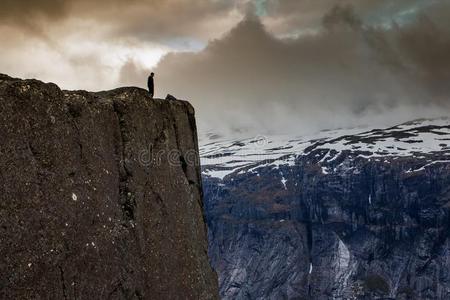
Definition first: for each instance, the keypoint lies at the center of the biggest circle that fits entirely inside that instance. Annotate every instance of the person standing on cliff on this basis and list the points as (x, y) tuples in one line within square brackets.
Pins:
[(151, 84)]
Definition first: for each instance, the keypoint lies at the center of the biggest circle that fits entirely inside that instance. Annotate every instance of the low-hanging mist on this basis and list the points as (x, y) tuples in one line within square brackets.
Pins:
[(345, 74)]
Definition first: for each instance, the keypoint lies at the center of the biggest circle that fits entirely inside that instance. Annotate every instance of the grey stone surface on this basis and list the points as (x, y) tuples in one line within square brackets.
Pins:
[(100, 196)]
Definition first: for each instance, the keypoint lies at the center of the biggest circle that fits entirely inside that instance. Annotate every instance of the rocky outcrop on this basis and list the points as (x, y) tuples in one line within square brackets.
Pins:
[(101, 196)]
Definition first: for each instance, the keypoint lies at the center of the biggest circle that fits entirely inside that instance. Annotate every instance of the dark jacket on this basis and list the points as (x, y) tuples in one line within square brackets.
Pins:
[(151, 85)]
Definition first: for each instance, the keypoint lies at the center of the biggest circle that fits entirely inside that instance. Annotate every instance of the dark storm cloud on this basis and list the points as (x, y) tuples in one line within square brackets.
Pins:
[(163, 20), (154, 20), (19, 11), (348, 71), (426, 49), (290, 16)]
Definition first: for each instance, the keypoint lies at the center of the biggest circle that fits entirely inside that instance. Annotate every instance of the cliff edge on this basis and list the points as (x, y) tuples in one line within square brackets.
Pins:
[(100, 197)]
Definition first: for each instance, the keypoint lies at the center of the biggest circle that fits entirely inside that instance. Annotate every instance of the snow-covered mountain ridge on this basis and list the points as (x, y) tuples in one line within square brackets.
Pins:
[(345, 214), (426, 139)]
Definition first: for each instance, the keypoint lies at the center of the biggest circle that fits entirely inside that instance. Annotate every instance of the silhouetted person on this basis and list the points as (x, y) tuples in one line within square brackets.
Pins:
[(151, 84)]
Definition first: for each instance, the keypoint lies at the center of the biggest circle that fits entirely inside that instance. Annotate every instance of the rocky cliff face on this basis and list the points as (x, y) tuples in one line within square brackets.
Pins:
[(342, 216), (101, 196)]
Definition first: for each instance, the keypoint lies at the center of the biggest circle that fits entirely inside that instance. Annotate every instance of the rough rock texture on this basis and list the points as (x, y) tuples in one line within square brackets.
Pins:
[(368, 228), (100, 196)]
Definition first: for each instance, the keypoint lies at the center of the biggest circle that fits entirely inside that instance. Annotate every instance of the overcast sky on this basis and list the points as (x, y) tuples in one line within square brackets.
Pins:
[(266, 65)]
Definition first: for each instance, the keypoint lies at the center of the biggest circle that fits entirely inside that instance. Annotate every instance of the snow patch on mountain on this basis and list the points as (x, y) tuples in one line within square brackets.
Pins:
[(222, 156)]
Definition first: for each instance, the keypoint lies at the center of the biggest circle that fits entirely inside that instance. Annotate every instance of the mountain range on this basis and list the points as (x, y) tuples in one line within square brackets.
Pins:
[(359, 213)]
